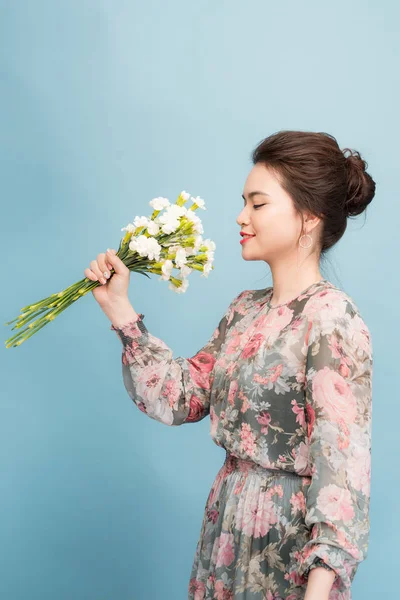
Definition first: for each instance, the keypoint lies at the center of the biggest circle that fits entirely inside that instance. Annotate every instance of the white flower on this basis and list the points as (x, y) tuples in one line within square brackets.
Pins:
[(182, 289), (200, 202), (210, 244), (189, 250), (207, 270), (175, 211), (170, 218), (145, 246), (198, 241), (159, 203), (210, 256), (185, 271), (180, 258), (185, 195), (171, 226), (191, 216), (153, 228), (153, 248), (130, 227), (167, 270), (137, 243), (141, 221)]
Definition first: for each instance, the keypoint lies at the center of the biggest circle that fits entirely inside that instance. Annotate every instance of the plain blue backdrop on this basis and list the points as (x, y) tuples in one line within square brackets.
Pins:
[(105, 104)]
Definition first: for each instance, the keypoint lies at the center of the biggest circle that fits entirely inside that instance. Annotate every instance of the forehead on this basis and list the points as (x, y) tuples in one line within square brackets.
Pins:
[(260, 178)]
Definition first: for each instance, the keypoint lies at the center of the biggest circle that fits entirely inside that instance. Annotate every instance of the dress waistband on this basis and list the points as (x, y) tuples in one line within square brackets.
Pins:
[(234, 463)]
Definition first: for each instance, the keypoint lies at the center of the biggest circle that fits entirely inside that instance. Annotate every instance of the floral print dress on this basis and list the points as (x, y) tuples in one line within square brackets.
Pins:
[(288, 392)]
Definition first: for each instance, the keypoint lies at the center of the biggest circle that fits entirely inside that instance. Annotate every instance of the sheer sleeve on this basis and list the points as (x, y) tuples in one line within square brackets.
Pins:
[(172, 391), (338, 402)]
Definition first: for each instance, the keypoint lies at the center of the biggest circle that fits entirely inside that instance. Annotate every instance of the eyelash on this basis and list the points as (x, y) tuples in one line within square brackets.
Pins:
[(258, 205)]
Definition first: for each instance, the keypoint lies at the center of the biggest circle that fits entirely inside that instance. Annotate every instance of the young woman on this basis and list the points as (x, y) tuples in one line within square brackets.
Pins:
[(286, 379)]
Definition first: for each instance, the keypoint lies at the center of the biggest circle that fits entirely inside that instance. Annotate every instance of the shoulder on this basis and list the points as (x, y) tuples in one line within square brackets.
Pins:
[(247, 298), (241, 304), (332, 311)]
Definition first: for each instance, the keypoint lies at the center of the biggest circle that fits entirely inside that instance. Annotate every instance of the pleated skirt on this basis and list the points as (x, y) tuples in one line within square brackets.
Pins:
[(253, 525)]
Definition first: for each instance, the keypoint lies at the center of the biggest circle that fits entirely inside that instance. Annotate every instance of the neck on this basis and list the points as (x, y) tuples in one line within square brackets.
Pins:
[(289, 282)]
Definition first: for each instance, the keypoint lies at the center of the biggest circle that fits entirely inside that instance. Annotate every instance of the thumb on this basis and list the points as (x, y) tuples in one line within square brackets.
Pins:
[(116, 262)]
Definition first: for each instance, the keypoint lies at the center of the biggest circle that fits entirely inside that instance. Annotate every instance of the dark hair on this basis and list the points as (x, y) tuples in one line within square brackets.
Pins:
[(319, 177)]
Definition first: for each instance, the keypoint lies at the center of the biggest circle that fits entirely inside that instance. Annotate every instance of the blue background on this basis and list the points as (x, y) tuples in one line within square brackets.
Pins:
[(103, 106)]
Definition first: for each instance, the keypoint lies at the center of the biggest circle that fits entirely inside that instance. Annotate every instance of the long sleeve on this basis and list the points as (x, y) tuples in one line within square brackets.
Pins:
[(172, 391), (338, 409)]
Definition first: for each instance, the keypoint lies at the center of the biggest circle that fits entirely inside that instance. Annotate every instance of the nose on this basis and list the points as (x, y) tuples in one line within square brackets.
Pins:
[(242, 217)]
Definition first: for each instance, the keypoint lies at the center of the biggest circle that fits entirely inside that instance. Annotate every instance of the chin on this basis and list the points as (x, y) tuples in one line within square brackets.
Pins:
[(249, 256)]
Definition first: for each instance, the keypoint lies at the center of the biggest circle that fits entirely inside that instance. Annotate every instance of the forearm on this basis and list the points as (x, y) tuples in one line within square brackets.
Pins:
[(121, 314), (319, 584)]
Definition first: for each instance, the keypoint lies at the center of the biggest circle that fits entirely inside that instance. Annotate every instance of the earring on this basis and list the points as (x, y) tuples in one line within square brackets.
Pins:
[(305, 235)]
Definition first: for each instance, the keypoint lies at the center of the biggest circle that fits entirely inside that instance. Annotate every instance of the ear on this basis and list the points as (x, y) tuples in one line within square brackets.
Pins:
[(311, 221)]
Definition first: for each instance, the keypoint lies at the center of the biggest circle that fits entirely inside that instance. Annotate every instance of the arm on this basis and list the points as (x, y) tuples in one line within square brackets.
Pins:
[(338, 399), (172, 391)]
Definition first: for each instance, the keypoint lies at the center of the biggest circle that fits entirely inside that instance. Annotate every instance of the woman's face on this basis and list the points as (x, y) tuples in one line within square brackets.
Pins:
[(269, 214)]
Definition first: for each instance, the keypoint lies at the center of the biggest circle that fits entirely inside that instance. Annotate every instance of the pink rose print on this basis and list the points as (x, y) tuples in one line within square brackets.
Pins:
[(226, 553), (196, 409), (244, 399), (252, 346), (256, 514), (172, 391), (248, 440), (310, 412), (131, 329), (149, 381), (335, 503), (326, 304), (333, 394), (200, 367), (233, 344), (300, 419), (264, 419), (221, 592), (233, 388), (298, 503), (197, 589), (128, 355)]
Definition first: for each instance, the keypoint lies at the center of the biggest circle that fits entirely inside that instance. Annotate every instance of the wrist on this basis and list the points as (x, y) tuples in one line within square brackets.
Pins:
[(319, 583), (121, 314)]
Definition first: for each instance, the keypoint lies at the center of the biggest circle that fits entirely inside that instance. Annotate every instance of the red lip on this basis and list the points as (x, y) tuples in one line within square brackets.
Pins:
[(246, 239), (242, 233)]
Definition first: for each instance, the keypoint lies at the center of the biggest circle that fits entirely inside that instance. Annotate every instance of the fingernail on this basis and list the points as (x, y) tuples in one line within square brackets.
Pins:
[(102, 280)]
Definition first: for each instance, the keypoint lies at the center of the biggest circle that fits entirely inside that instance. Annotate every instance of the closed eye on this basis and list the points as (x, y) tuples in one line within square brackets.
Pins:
[(258, 205)]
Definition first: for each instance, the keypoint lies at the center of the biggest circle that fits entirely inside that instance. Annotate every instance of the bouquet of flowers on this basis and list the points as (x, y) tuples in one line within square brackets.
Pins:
[(155, 244)]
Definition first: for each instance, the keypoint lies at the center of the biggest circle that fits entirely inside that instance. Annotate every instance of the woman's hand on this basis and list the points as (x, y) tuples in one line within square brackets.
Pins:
[(114, 278)]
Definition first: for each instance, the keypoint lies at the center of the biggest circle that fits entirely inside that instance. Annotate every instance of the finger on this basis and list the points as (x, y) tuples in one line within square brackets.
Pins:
[(117, 263), (96, 270), (90, 275), (108, 252), (105, 270)]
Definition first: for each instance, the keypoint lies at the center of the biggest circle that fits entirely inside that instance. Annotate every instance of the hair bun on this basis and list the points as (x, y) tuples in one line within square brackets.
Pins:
[(360, 185)]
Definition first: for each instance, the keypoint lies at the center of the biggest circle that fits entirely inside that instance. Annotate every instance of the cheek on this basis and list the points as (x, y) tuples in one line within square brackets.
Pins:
[(277, 226)]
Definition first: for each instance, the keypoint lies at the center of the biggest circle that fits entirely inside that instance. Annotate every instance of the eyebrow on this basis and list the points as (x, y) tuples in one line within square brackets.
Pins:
[(252, 194)]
